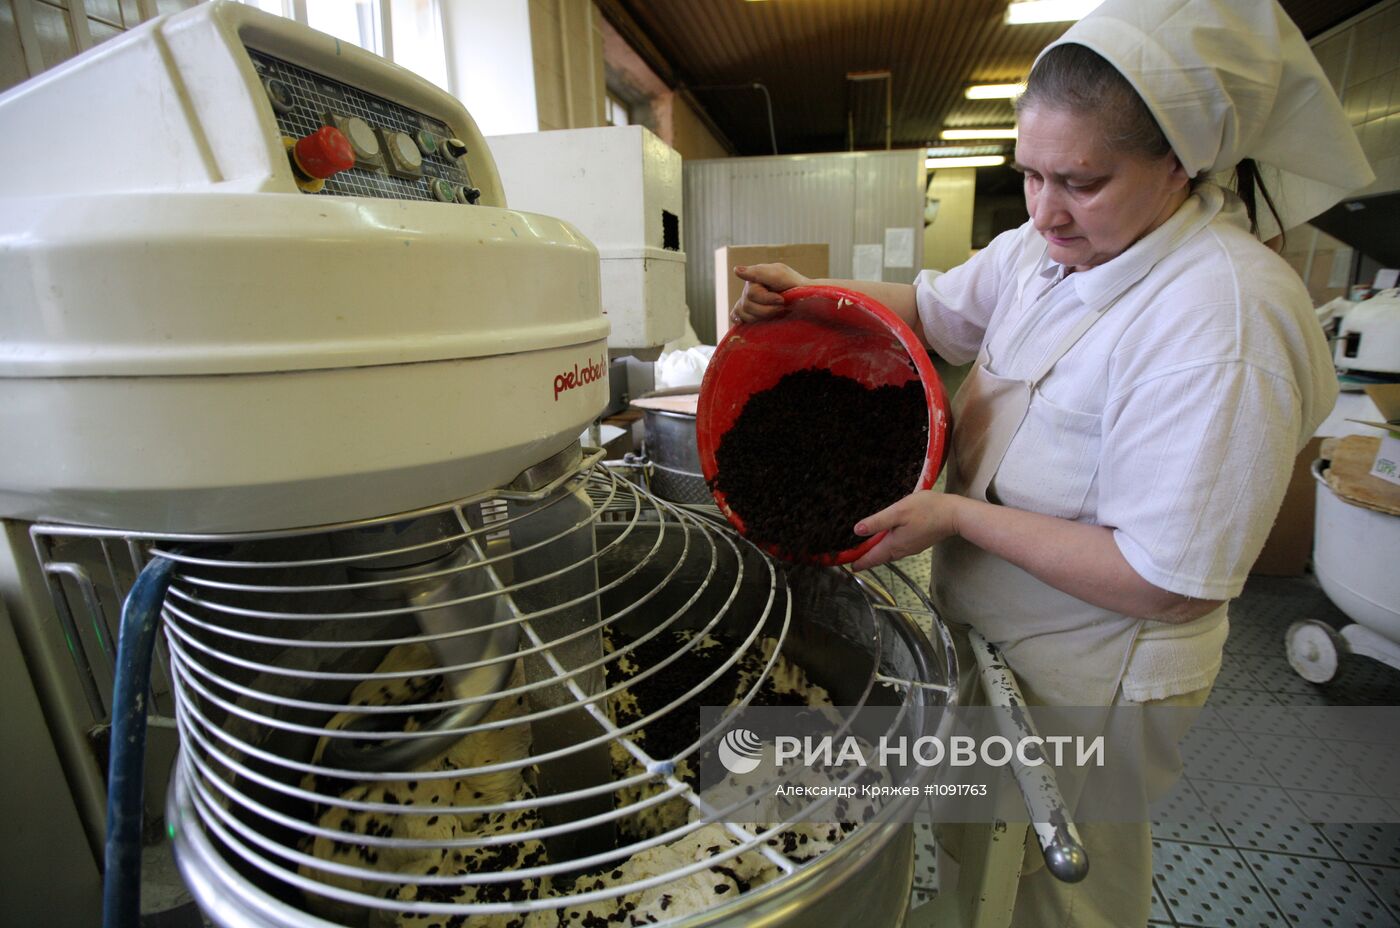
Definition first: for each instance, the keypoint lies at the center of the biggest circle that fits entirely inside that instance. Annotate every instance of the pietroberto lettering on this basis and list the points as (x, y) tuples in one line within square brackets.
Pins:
[(591, 372)]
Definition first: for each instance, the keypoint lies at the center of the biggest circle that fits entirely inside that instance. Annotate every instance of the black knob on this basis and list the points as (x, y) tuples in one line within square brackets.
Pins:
[(473, 195), (454, 148)]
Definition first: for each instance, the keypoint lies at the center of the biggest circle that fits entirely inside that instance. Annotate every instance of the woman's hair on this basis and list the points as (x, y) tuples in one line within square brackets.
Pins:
[(1077, 79), (1247, 183)]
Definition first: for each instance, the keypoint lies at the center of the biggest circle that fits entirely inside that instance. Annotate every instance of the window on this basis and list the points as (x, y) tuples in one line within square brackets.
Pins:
[(617, 112), (354, 21), (417, 31), (279, 7), (413, 29)]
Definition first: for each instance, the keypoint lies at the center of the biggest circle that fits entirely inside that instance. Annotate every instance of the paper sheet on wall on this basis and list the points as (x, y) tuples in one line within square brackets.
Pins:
[(899, 247), (865, 262)]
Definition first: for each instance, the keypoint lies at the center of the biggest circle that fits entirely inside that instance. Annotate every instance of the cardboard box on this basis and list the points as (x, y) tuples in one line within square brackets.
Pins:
[(1290, 543), (630, 441), (809, 260)]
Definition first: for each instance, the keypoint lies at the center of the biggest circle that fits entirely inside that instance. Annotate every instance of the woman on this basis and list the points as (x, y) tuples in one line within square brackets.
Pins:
[(1146, 373)]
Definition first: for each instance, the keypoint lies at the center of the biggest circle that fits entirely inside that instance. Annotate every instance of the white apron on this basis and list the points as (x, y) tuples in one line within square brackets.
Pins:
[(1064, 651)]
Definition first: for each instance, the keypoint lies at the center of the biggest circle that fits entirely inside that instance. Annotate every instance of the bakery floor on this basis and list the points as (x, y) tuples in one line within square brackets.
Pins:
[(1318, 876)]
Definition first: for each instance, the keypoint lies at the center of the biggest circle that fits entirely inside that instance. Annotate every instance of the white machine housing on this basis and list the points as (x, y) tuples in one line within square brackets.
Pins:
[(620, 185), (191, 343), (1369, 337)]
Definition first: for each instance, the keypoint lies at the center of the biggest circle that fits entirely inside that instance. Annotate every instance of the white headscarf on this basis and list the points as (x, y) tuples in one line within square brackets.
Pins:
[(1234, 79)]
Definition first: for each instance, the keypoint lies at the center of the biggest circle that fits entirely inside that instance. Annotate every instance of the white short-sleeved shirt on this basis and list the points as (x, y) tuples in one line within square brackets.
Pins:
[(1175, 419)]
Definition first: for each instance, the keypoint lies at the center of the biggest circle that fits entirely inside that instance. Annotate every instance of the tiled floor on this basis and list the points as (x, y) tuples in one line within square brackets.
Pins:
[(1272, 868)]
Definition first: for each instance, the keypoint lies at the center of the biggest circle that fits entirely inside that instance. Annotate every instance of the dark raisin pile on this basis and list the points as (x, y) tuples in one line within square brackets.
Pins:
[(815, 453), (657, 691)]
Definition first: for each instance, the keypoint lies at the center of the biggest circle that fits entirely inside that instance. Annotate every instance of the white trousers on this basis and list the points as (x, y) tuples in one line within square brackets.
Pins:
[(1117, 893)]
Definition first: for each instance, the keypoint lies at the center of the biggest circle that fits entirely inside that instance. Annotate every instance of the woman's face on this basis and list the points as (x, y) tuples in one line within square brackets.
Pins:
[(1089, 202)]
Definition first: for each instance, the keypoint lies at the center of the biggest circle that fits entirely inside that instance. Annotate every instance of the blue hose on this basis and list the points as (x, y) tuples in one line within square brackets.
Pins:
[(121, 881)]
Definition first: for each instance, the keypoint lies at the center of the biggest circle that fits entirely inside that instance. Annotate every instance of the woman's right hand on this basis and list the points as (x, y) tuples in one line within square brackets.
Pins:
[(763, 288)]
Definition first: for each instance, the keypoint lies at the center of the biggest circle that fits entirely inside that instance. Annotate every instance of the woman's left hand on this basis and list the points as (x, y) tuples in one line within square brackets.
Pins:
[(1077, 558), (918, 521)]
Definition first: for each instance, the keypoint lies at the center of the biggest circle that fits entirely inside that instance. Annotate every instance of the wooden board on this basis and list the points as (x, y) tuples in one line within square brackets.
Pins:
[(683, 403), (1349, 475)]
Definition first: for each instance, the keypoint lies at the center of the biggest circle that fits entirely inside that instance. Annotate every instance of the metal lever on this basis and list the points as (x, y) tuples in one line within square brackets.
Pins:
[(1060, 844)]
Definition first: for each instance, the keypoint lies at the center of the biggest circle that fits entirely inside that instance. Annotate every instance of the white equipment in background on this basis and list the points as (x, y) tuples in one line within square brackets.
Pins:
[(1355, 545), (1354, 559), (1368, 340), (621, 185)]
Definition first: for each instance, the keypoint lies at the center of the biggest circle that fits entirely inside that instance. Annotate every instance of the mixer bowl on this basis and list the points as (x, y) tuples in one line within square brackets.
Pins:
[(1352, 552), (839, 629)]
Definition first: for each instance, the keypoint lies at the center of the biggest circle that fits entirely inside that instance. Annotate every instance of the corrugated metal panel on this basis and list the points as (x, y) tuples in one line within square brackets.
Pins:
[(798, 199), (840, 199), (705, 209), (890, 194)]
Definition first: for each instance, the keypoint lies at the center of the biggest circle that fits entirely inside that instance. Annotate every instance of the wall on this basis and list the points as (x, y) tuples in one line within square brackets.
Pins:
[(993, 214), (1323, 262), (37, 34), (567, 45), (843, 199), (1360, 59), (948, 239), (688, 135), (653, 103)]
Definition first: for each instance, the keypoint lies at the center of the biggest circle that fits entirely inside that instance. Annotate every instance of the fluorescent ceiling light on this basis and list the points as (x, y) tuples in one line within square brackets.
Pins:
[(958, 151), (953, 135), (976, 161), (994, 91), (1020, 12)]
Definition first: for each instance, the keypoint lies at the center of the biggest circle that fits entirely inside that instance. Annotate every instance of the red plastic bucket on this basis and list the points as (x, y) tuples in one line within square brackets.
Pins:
[(831, 328)]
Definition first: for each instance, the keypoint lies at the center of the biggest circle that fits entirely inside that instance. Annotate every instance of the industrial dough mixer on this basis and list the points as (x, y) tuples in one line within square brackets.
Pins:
[(284, 344)]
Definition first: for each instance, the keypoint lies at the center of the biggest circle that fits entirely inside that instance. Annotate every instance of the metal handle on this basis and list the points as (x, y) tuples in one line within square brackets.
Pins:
[(1064, 852)]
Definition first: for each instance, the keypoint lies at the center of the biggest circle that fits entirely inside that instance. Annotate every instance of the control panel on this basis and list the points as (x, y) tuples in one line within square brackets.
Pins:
[(346, 142)]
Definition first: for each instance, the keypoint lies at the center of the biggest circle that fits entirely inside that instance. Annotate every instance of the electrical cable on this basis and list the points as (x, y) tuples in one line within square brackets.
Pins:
[(121, 880), (767, 99)]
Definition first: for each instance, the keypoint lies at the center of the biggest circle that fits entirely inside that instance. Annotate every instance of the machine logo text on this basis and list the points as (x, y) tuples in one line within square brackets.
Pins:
[(591, 372)]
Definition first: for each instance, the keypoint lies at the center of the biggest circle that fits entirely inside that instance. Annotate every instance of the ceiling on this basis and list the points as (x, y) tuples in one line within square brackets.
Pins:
[(802, 50)]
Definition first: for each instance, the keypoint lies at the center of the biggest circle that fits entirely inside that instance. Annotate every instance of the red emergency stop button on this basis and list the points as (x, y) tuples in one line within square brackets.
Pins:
[(323, 153)]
